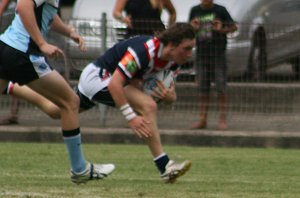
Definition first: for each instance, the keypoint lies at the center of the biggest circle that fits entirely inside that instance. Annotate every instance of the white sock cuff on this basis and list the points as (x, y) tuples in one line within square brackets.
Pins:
[(161, 155)]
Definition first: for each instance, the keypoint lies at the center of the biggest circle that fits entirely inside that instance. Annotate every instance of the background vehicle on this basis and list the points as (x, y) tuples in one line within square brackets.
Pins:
[(268, 35)]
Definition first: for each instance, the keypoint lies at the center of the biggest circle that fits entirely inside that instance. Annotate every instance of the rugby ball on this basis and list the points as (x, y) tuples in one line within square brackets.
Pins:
[(166, 76)]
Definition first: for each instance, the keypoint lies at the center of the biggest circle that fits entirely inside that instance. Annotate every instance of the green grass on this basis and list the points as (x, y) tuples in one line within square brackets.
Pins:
[(42, 170)]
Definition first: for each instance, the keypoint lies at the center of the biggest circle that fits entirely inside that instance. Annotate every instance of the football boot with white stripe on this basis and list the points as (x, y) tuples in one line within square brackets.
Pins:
[(92, 172)]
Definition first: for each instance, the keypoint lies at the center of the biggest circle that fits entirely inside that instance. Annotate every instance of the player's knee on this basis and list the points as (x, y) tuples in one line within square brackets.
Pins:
[(75, 102), (70, 104), (150, 106)]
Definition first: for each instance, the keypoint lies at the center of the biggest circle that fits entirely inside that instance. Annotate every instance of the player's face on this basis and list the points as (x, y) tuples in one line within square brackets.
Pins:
[(184, 51)]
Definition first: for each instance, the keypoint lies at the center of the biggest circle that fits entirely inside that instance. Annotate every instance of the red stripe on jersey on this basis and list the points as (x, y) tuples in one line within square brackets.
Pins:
[(158, 63), (130, 64), (147, 48), (153, 48)]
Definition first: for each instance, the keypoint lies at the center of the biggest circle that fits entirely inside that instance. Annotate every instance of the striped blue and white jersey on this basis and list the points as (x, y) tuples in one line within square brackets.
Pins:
[(16, 34)]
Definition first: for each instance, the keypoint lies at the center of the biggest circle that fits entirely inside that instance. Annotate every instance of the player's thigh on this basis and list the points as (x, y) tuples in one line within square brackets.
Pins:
[(54, 87), (138, 99)]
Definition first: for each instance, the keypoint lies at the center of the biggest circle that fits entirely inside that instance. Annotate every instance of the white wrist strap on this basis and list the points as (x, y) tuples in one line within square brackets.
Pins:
[(128, 112)]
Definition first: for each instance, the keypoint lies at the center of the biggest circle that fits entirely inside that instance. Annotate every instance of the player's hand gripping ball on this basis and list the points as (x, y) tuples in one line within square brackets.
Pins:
[(150, 84)]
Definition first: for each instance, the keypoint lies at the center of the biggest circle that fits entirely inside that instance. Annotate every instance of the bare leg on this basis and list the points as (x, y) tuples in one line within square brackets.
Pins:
[(15, 108), (147, 107), (204, 106), (13, 117), (24, 92), (223, 112), (61, 94), (48, 107)]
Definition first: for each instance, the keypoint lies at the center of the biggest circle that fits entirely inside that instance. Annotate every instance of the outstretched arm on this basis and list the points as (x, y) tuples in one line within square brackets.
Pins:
[(59, 26), (25, 10)]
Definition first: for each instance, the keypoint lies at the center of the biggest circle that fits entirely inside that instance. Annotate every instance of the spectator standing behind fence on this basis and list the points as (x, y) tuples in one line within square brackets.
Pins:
[(23, 54), (15, 102), (143, 17), (213, 23)]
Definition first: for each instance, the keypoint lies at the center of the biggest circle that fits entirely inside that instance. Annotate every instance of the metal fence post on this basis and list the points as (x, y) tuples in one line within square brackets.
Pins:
[(103, 108), (103, 32)]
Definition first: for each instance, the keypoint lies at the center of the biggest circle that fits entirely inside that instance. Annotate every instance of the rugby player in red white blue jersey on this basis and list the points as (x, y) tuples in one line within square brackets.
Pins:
[(116, 78)]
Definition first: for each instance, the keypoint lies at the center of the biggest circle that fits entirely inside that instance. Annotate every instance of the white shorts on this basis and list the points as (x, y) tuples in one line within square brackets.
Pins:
[(93, 85), (90, 82)]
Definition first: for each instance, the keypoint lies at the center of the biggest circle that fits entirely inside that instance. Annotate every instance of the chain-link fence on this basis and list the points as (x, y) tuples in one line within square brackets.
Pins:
[(263, 73)]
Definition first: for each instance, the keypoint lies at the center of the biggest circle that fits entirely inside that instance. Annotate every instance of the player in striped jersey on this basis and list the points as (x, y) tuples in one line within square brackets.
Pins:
[(115, 79)]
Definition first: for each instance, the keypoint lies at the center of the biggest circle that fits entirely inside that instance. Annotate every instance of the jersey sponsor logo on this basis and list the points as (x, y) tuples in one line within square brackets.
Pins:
[(43, 66), (129, 63), (39, 63), (132, 66)]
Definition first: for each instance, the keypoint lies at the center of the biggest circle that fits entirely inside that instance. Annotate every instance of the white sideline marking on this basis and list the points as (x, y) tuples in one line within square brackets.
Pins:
[(22, 194)]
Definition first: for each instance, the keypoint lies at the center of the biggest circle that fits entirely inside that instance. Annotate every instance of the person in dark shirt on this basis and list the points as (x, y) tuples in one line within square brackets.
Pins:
[(213, 22), (143, 16), (116, 78)]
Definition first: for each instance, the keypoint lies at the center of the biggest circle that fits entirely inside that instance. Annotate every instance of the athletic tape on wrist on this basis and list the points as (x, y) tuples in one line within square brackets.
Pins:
[(128, 112), (125, 106), (130, 116)]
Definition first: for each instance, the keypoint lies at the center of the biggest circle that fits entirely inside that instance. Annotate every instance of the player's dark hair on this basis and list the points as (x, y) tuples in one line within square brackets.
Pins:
[(176, 33)]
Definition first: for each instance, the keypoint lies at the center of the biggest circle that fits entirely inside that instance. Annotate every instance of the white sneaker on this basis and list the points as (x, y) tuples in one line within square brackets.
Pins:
[(175, 170), (92, 172)]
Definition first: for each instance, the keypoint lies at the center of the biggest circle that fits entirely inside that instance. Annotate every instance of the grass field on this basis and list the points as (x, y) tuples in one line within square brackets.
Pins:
[(42, 170)]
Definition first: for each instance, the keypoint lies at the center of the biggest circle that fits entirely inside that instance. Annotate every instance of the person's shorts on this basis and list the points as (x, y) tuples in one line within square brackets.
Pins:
[(93, 87), (17, 66), (212, 69)]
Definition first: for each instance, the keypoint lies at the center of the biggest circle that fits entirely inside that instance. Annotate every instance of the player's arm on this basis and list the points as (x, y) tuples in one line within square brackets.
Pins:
[(116, 88), (3, 5), (25, 9), (59, 26)]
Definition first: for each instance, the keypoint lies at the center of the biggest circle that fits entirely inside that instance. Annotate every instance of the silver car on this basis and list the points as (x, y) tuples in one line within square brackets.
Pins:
[(268, 35)]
